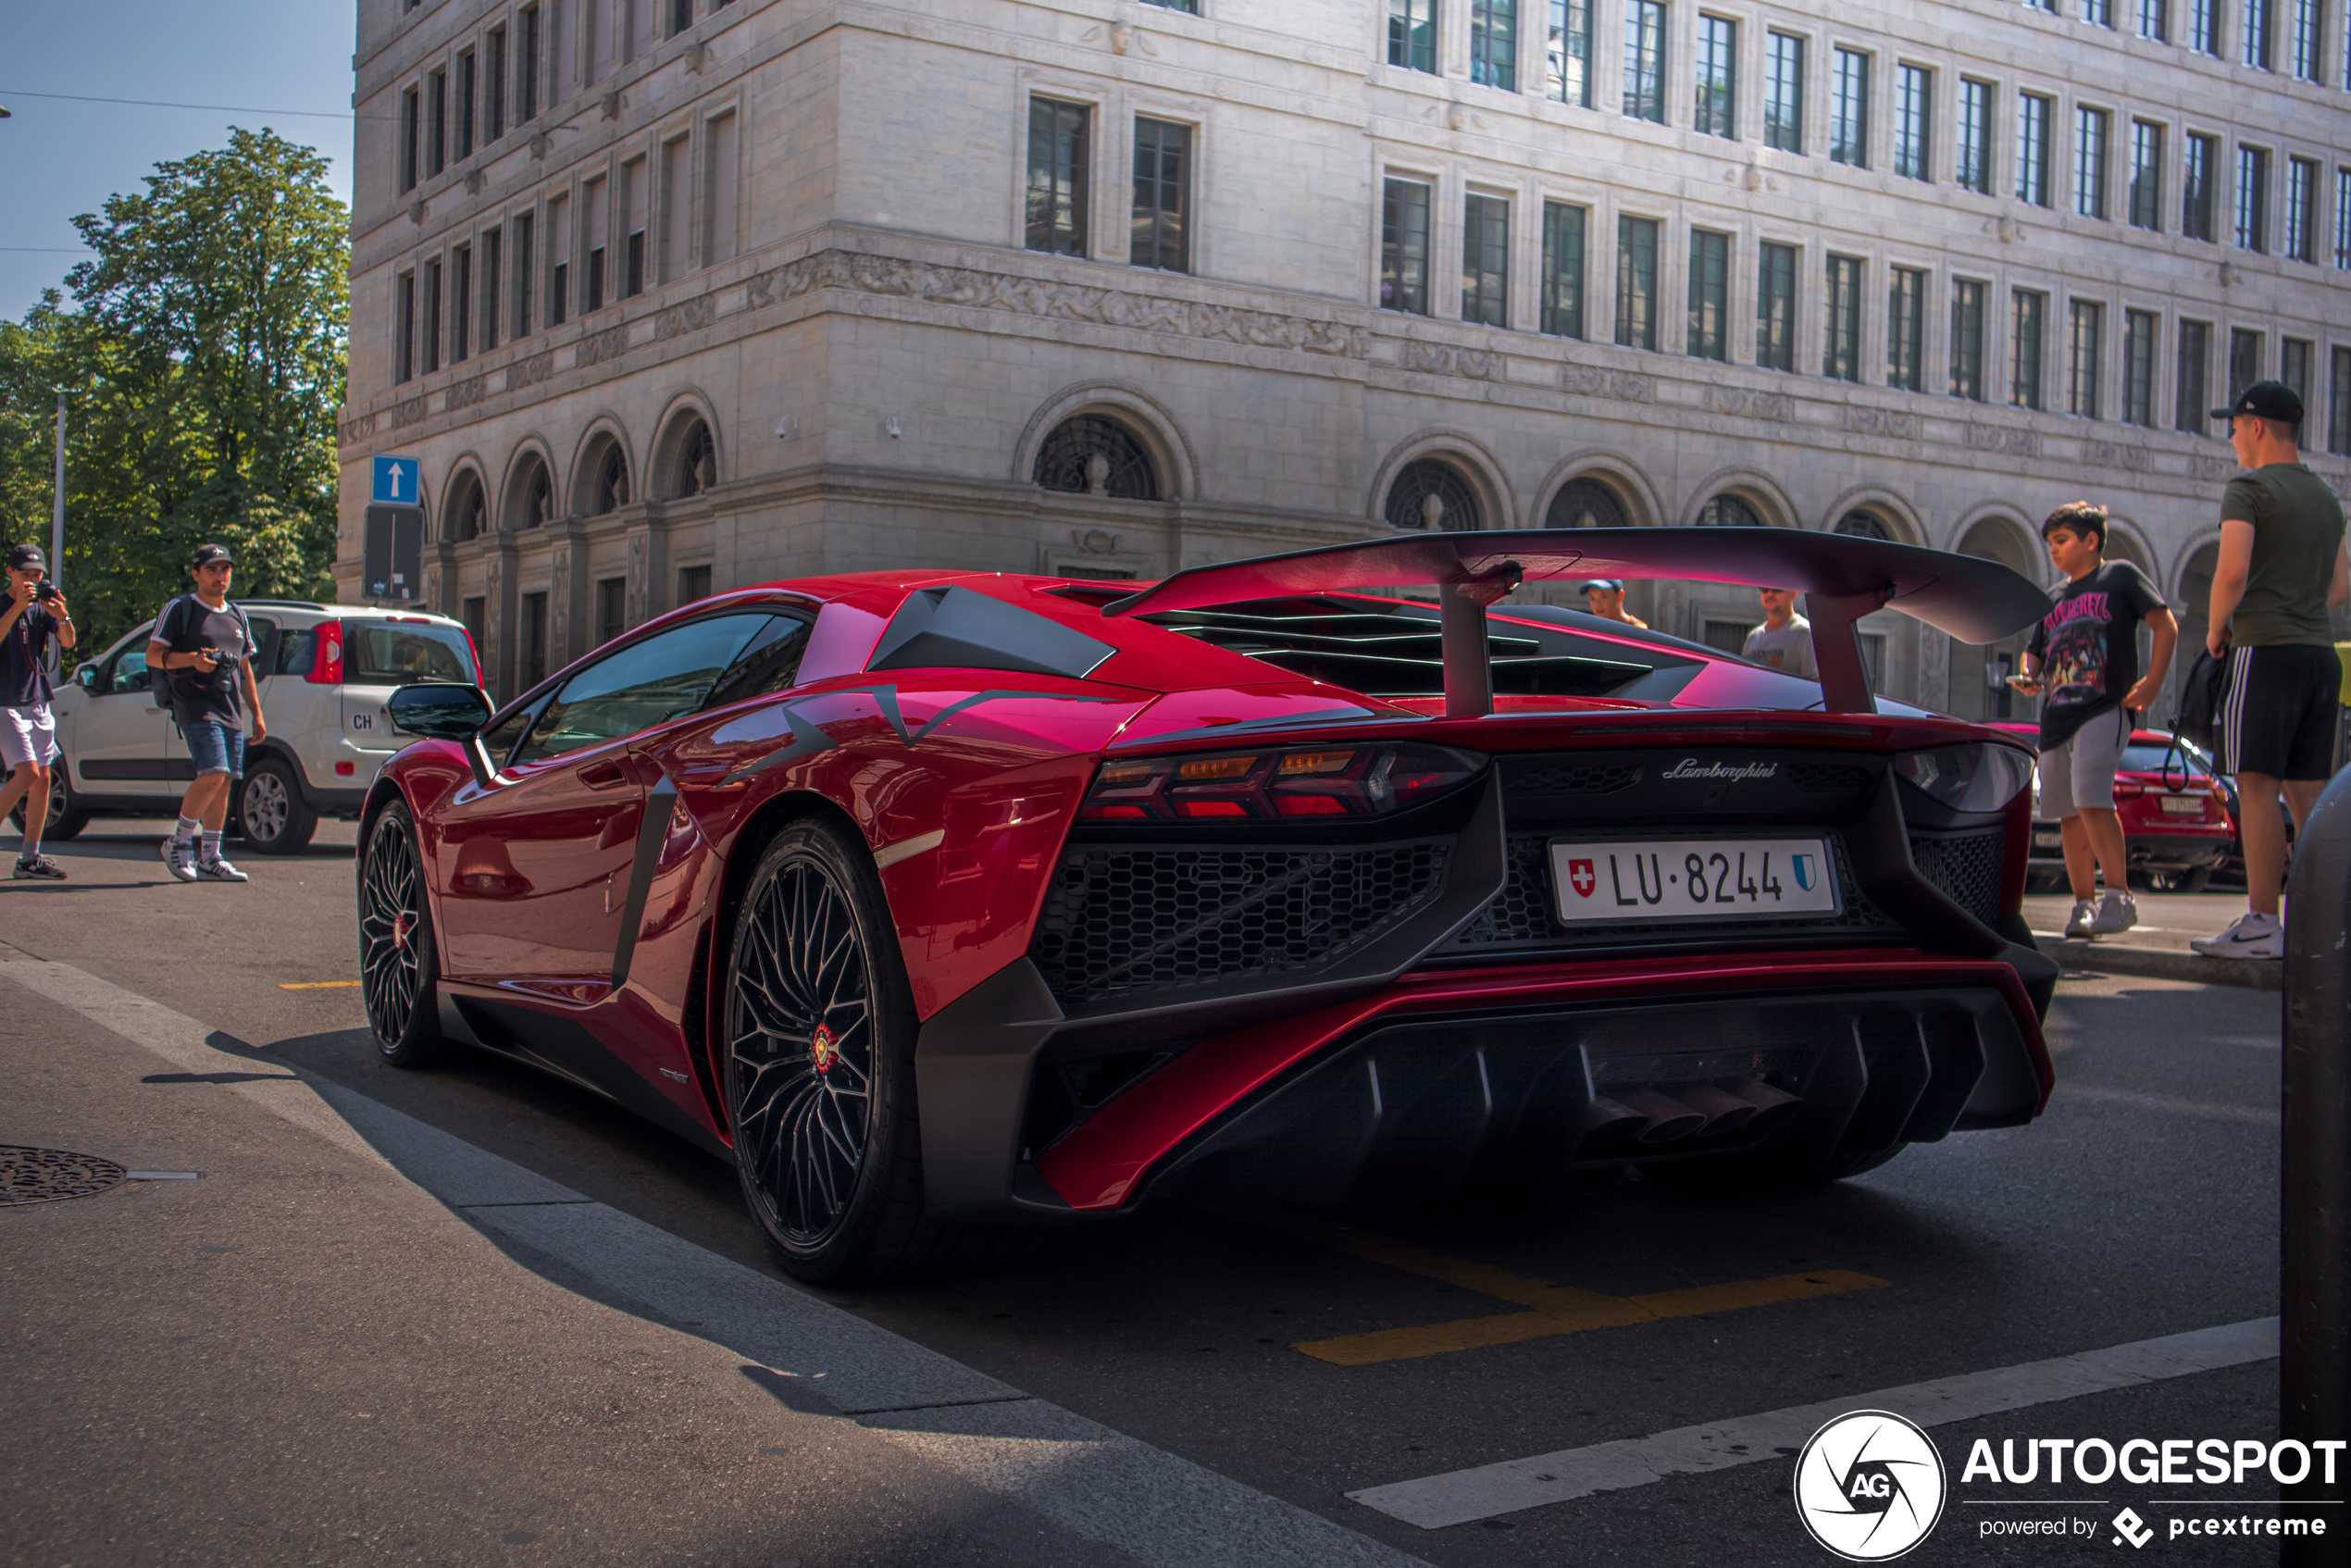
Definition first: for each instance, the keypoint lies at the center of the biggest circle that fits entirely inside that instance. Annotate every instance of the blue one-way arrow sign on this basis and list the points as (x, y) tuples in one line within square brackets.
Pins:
[(395, 480)]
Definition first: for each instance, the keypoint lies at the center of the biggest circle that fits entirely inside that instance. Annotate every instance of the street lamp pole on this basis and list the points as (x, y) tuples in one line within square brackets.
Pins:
[(58, 512)]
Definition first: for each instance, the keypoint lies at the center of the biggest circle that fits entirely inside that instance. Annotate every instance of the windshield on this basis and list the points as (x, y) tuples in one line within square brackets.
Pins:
[(389, 654), (2141, 758)]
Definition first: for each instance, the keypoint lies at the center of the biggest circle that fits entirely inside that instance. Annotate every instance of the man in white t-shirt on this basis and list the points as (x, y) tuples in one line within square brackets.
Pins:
[(1784, 640)]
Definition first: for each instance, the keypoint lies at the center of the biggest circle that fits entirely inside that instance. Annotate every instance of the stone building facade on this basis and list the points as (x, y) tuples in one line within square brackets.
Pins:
[(668, 297)]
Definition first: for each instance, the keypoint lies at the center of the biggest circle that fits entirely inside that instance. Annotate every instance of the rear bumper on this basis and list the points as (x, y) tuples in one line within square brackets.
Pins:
[(2167, 852)]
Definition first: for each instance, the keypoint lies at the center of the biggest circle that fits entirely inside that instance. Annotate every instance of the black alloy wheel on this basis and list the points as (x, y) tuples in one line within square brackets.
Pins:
[(398, 967)]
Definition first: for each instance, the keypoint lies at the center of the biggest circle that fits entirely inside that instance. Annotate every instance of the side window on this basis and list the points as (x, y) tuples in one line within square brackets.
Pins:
[(264, 645), (501, 741), (644, 684), (128, 670), (770, 662), (296, 651)]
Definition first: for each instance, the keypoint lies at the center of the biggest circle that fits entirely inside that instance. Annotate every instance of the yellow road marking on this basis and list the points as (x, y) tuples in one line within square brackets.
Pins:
[(315, 985), (1553, 1308)]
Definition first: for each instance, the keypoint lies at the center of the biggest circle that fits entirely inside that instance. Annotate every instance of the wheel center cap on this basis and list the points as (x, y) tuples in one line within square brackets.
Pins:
[(821, 1046), (400, 933)]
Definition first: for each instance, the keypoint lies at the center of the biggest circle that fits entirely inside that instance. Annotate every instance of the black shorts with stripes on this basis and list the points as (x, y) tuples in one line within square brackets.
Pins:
[(2282, 706)]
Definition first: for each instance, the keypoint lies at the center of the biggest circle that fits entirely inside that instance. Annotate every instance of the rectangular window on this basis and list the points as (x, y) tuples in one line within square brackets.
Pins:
[(1967, 340), (1644, 59), (603, 47), (1841, 356), (1189, 8), (2190, 400), (494, 267), (636, 202), (534, 639), (676, 207), (1717, 64), (1057, 153), (1775, 307), (1412, 34), (2253, 199), (1570, 53), (563, 72), (693, 584), (1494, 43), (2342, 219), (464, 119), (1710, 327), (2086, 359), (2294, 370), (599, 232), (1403, 247), (645, 34), (1160, 237), (2256, 40), (2302, 47), (525, 228), (2098, 13), (612, 608), (1975, 149), (1486, 260), (2032, 117), (2089, 161), (461, 294), (1564, 230), (559, 238), (2339, 405), (1914, 112), (494, 96), (2201, 173), (410, 122), (2301, 209), (527, 83), (404, 342), (2204, 26), (2245, 361), (681, 15), (719, 177), (2028, 310), (2155, 19), (437, 118), (2139, 328), (1906, 329), (430, 333), (1784, 93), (1637, 282), (2146, 175), (1849, 109)]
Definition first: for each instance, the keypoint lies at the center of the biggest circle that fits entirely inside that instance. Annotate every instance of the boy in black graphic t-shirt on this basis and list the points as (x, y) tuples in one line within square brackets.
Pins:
[(2085, 655)]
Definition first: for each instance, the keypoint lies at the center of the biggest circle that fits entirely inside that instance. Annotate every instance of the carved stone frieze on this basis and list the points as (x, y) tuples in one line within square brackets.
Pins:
[(1881, 422), (1436, 359), (890, 276), (2115, 455), (1772, 406), (597, 347), (639, 581), (531, 371), (2011, 443), (464, 394), (409, 411), (359, 430), (691, 316), (2212, 469)]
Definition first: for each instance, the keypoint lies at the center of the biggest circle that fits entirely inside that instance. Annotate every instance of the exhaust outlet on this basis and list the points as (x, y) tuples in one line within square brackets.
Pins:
[(1668, 1118), (1724, 1112), (1611, 1121), (1773, 1106)]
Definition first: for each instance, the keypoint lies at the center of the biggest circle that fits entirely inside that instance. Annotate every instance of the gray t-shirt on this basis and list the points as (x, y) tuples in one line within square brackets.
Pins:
[(1788, 649), (188, 624), (2297, 532)]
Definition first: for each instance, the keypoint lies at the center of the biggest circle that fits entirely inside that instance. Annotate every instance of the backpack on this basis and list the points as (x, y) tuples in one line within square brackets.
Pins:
[(2202, 697), (178, 629)]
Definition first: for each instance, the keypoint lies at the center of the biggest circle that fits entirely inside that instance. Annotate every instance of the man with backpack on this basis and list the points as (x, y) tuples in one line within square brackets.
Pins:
[(204, 647), (32, 613)]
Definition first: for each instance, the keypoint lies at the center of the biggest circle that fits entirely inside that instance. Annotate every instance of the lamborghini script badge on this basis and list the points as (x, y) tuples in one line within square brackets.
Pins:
[(1722, 772)]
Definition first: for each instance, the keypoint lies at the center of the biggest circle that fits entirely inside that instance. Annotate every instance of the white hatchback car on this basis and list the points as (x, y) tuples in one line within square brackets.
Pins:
[(325, 672)]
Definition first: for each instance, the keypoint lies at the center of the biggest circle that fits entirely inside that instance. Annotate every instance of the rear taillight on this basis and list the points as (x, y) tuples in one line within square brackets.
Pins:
[(1322, 782), (2126, 790), (326, 661)]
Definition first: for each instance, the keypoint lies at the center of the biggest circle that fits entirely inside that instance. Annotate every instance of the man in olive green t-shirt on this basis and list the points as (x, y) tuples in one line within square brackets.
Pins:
[(2283, 568)]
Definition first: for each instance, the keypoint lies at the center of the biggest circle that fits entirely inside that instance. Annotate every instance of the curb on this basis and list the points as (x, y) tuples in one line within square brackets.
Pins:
[(2156, 964)]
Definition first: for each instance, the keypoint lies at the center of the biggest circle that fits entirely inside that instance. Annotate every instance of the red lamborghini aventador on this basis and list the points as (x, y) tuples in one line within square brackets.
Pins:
[(947, 905)]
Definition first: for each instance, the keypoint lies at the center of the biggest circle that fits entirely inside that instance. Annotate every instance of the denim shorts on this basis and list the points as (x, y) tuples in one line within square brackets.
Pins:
[(217, 747)]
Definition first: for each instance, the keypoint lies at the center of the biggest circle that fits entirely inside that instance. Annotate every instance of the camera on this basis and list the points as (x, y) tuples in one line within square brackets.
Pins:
[(46, 592)]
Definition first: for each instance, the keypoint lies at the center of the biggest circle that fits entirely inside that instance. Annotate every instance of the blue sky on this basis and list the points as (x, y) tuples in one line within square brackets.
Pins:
[(59, 158)]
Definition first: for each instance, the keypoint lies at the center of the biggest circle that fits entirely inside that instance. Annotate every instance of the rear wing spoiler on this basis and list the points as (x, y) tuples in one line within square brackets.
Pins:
[(1973, 600)]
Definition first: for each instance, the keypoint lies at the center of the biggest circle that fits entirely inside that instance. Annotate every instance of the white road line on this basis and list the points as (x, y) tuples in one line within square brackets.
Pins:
[(1158, 1508), (1490, 1489), (2255, 1115)]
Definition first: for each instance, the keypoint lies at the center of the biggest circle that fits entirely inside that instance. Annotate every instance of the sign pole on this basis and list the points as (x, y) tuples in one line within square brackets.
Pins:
[(57, 515)]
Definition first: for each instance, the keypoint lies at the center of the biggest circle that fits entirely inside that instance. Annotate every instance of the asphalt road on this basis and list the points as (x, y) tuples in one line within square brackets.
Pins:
[(2143, 1204)]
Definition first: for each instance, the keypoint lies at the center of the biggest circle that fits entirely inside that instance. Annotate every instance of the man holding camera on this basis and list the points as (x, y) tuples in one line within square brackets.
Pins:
[(32, 612), (204, 647)]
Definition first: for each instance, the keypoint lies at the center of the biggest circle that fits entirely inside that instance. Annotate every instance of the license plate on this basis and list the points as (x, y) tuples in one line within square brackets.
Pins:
[(1691, 880), (2184, 805), (2047, 841)]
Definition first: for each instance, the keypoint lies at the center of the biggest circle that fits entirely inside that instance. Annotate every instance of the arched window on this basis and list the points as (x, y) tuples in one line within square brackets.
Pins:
[(1095, 454), (1728, 511), (1864, 525), (532, 501), (466, 509), (607, 479), (1995, 539), (697, 468), (1585, 504), (1432, 494)]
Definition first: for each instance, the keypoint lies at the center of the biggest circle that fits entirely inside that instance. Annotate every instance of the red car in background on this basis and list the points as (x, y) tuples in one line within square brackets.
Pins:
[(2177, 824)]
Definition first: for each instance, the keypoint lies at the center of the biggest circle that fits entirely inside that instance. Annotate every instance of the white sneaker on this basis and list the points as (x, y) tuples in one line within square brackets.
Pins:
[(2248, 935), (2117, 912), (214, 869), (2083, 921), (179, 859)]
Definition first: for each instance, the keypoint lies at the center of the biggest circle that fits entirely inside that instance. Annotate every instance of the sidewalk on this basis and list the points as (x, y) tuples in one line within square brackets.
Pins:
[(2157, 947)]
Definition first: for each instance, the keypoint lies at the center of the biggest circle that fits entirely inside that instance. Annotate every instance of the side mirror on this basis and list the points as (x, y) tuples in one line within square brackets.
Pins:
[(87, 676), (439, 713)]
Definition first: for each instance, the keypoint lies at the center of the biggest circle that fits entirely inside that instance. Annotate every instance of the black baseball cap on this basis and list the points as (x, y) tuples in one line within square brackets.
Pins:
[(27, 555), (208, 554), (2266, 400)]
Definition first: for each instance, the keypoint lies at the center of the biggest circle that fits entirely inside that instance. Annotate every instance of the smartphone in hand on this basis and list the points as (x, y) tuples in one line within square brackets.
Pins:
[(2028, 684)]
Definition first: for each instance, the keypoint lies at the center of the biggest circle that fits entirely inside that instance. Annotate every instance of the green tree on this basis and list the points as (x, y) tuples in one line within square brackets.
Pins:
[(203, 362)]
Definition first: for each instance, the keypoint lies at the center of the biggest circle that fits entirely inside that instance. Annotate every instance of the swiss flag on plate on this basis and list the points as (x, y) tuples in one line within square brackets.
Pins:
[(1579, 875)]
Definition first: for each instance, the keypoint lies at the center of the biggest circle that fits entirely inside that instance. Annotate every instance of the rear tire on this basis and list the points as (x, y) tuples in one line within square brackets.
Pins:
[(271, 810), (399, 965), (65, 820), (819, 1026)]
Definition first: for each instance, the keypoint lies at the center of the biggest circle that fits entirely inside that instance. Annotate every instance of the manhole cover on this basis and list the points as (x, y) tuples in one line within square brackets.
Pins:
[(39, 1175)]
